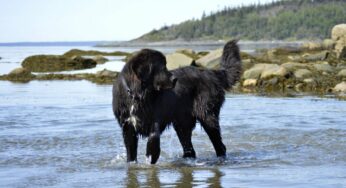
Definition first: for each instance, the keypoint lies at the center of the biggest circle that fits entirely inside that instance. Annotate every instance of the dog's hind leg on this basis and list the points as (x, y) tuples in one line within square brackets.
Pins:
[(212, 127), (131, 141), (184, 129), (153, 144)]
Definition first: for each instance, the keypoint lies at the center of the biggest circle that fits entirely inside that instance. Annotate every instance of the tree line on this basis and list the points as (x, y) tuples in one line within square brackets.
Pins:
[(279, 20)]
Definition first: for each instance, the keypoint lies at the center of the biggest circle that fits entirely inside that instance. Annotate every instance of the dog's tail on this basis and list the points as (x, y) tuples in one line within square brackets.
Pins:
[(231, 64)]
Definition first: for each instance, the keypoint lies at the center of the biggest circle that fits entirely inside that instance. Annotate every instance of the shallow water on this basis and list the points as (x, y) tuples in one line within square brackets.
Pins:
[(63, 134)]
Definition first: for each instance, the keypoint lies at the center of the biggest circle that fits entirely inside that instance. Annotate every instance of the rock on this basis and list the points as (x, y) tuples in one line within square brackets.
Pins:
[(341, 87), (100, 59), (342, 73), (299, 87), (338, 31), (274, 71), (340, 48), (291, 66), (106, 73), (302, 73), (51, 63), (177, 60), (247, 63), (76, 52), (316, 57), (323, 67), (328, 44), (250, 83), (212, 60), (20, 72), (185, 51), (312, 46), (309, 81), (256, 71)]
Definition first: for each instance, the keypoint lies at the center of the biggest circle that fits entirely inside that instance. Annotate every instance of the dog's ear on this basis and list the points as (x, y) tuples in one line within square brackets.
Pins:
[(141, 70)]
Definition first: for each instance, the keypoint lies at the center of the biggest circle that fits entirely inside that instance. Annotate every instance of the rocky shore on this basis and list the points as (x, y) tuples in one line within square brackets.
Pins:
[(314, 68)]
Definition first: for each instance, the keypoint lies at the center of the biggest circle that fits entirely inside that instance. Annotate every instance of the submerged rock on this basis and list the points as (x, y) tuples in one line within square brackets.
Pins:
[(177, 60), (52, 63)]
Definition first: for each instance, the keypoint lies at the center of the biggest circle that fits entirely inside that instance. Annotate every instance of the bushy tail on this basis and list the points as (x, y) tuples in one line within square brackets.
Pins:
[(231, 63)]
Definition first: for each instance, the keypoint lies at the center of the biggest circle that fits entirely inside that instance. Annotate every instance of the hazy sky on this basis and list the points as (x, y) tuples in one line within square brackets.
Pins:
[(87, 20)]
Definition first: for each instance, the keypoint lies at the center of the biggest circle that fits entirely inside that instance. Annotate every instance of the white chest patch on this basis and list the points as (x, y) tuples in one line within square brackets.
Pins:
[(132, 119)]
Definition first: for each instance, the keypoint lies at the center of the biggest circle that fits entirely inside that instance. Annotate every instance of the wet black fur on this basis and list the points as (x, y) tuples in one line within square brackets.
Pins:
[(158, 101)]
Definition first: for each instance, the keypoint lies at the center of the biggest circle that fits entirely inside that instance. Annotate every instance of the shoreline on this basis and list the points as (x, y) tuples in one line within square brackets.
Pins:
[(192, 43)]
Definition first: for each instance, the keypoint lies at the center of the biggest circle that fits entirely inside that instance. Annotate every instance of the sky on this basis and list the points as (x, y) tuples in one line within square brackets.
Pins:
[(98, 20)]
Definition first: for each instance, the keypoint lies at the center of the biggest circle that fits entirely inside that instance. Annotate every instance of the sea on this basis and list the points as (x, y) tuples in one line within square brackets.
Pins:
[(64, 134)]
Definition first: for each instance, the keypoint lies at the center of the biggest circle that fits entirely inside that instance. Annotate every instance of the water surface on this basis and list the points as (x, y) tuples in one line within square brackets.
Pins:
[(63, 134)]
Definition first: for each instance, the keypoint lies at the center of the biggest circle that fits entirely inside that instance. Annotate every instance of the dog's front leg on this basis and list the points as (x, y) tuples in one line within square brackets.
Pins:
[(153, 145), (131, 141)]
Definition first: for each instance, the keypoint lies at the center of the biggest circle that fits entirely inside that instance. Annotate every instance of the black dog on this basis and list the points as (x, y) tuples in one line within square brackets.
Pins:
[(147, 98)]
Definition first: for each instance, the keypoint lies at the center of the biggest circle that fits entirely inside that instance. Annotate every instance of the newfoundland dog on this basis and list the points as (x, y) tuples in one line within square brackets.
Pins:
[(147, 98)]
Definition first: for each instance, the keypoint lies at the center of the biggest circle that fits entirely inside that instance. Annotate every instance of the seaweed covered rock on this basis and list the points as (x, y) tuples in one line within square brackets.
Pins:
[(52, 63), (100, 59), (77, 52), (20, 74)]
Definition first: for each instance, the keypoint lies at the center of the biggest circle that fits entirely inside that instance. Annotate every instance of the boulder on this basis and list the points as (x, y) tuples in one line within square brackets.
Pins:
[(341, 87), (100, 59), (338, 31), (328, 44), (51, 63), (342, 73), (250, 83), (106, 73), (323, 67), (177, 60), (316, 57), (274, 71), (312, 46), (291, 66), (256, 71), (212, 60), (302, 73), (20, 72)]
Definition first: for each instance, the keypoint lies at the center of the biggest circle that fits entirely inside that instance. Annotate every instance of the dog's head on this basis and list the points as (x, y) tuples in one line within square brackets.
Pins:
[(149, 66)]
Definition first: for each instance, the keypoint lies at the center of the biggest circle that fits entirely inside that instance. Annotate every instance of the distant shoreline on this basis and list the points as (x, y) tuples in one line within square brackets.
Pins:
[(191, 43), (142, 44)]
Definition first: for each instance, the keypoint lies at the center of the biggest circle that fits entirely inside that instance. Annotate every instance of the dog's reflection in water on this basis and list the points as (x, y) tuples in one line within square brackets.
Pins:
[(175, 177)]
